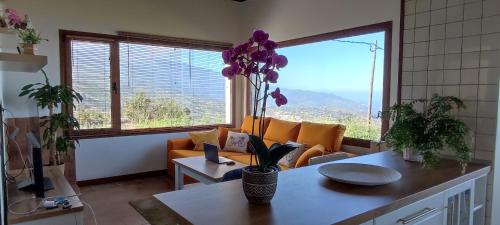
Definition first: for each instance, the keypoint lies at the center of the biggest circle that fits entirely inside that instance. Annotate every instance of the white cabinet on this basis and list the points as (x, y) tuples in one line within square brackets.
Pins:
[(460, 205), (428, 211)]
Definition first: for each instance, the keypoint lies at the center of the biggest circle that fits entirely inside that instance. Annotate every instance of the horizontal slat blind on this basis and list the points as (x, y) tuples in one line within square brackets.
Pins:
[(165, 86), (90, 67)]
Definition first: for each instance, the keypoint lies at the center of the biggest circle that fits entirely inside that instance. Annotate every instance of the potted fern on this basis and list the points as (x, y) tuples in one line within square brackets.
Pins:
[(29, 40), (423, 135), (56, 125), (258, 62)]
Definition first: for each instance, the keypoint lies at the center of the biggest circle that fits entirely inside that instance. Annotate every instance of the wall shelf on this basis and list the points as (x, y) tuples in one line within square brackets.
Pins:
[(21, 63), (4, 30)]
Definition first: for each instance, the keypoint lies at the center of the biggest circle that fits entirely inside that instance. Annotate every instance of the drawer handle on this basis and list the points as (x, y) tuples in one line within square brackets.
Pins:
[(422, 213)]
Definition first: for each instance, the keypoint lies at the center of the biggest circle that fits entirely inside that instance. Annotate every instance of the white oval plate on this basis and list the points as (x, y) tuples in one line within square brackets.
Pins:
[(359, 174)]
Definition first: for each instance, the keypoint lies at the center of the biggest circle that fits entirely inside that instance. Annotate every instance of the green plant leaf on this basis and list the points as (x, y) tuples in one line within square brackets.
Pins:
[(261, 149), (278, 152)]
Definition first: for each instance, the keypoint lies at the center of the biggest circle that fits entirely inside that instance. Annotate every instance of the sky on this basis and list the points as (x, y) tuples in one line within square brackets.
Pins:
[(331, 66)]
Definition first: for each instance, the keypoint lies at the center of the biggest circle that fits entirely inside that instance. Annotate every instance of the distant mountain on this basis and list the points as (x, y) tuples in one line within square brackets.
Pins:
[(320, 100)]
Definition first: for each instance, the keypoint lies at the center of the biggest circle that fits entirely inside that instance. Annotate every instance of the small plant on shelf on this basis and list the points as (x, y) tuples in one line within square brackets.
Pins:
[(27, 34), (430, 131), (57, 125)]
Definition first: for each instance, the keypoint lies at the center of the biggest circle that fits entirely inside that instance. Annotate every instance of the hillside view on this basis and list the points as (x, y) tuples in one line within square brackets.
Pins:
[(170, 87)]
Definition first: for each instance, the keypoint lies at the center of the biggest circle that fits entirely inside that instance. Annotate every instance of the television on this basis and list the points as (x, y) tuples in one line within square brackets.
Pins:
[(35, 182)]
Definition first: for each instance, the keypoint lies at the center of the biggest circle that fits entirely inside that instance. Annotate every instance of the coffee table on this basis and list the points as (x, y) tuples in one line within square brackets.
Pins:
[(200, 169)]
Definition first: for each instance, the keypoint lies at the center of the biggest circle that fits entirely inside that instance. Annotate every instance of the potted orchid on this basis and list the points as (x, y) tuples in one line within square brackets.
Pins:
[(29, 37), (258, 62)]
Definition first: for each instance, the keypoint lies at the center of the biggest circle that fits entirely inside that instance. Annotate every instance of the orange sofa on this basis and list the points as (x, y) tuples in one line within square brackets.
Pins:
[(319, 138)]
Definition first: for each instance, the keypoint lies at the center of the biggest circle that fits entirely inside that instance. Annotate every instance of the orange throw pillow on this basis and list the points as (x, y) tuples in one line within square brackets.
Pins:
[(282, 131), (246, 126), (328, 135), (315, 151), (223, 131), (201, 137)]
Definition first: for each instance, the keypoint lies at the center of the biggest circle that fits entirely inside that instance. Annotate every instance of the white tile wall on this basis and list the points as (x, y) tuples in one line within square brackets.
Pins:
[(472, 27), (470, 60), (436, 47), (488, 75), (423, 19), (471, 44), (454, 29), (453, 45), (438, 16), (438, 4), (468, 92), (452, 77), (421, 49), (452, 61), (473, 10), (420, 78), (452, 48), (421, 34), (455, 13), (437, 32), (491, 24), (469, 76), (490, 8), (436, 62), (435, 77), (423, 5)]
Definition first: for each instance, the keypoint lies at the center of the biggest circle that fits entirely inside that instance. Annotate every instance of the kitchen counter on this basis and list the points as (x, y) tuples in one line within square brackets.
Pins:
[(304, 196)]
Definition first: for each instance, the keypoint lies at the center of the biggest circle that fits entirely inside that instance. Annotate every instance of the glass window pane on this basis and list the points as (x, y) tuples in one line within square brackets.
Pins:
[(329, 82), (90, 69), (164, 86)]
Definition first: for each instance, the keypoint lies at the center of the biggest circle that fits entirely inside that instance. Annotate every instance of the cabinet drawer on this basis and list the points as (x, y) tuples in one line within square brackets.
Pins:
[(428, 211)]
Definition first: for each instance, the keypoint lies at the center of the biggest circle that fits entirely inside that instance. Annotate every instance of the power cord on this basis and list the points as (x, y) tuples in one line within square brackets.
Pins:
[(91, 211), (12, 138)]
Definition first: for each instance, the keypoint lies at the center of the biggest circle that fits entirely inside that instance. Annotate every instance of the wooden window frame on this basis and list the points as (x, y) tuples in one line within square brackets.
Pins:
[(65, 37), (368, 29)]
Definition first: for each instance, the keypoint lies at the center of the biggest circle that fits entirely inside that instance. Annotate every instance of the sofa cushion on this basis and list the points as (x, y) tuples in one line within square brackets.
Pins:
[(223, 131), (201, 137), (236, 142), (246, 126), (282, 131), (315, 151), (291, 158), (269, 142), (328, 135)]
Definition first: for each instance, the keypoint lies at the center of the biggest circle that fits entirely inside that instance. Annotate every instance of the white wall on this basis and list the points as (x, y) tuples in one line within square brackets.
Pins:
[(213, 20), (107, 157), (291, 19)]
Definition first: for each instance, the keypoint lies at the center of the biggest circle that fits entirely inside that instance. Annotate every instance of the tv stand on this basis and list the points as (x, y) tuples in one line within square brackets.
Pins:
[(29, 185), (57, 216)]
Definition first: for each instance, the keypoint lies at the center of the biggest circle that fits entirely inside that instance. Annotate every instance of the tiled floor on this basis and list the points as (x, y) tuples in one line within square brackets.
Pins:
[(110, 201)]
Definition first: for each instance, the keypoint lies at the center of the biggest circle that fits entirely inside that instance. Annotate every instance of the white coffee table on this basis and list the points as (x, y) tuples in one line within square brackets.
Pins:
[(200, 169)]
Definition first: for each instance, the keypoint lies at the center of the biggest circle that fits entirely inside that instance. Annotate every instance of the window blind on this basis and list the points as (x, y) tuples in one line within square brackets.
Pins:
[(90, 67), (164, 86)]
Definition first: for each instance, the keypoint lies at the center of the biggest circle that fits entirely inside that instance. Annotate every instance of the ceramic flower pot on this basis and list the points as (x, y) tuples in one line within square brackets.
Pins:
[(28, 49), (411, 154), (259, 187)]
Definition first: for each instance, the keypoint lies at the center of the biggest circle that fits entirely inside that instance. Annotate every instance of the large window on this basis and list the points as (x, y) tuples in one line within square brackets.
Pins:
[(336, 79), (138, 85)]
